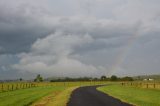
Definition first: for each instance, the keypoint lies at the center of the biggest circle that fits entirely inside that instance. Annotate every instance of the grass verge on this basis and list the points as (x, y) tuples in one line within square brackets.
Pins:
[(62, 98), (132, 95), (25, 97)]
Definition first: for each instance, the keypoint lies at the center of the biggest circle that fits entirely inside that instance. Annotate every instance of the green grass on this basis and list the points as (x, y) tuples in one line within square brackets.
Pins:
[(63, 98), (29, 96), (25, 97), (133, 95)]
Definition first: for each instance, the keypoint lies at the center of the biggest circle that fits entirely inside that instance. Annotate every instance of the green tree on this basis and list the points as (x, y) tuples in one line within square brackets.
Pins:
[(20, 79), (114, 78), (39, 78), (127, 78), (103, 77)]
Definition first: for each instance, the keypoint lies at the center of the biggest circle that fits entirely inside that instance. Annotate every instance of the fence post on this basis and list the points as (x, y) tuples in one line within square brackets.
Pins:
[(23, 86), (12, 87), (147, 85), (140, 84), (8, 87), (2, 86), (154, 85), (20, 86), (17, 86)]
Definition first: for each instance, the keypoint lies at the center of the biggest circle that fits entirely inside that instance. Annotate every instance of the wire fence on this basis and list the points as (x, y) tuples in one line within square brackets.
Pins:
[(154, 85), (15, 86), (4, 87)]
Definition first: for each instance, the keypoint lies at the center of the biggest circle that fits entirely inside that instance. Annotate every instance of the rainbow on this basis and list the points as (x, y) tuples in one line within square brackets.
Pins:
[(123, 53)]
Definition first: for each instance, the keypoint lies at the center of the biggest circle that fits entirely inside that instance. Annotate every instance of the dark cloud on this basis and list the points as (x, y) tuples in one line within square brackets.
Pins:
[(18, 33), (113, 37)]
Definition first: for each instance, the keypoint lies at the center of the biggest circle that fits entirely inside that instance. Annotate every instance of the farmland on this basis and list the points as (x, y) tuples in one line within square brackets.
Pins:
[(133, 94), (24, 94), (58, 93)]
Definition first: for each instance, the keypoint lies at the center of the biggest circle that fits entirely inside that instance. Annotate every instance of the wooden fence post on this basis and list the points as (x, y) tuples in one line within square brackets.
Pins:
[(23, 86), (154, 85), (140, 84), (12, 87), (8, 87), (147, 85), (2, 87), (17, 86), (20, 86)]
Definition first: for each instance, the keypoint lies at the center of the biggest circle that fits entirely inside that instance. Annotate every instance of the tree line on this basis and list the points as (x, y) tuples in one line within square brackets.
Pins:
[(102, 78)]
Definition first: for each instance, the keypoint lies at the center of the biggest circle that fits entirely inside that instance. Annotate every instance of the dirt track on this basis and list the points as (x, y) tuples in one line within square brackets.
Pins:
[(89, 96)]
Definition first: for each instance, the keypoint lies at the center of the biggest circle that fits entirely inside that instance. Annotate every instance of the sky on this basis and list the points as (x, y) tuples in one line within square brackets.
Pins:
[(77, 38)]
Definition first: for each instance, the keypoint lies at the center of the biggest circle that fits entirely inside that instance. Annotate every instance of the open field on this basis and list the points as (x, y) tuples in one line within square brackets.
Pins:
[(56, 98), (57, 93), (26, 96), (133, 95)]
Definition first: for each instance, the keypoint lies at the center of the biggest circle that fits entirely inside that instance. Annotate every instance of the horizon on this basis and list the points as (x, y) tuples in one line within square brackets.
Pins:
[(77, 38)]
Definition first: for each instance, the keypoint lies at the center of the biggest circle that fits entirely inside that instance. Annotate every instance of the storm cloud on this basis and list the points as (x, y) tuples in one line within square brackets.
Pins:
[(79, 38)]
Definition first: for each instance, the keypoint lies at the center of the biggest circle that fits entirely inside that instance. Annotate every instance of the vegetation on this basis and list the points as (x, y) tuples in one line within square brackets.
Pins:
[(25, 97), (133, 95), (57, 98), (39, 78), (127, 78), (102, 78), (39, 93), (63, 98), (114, 78)]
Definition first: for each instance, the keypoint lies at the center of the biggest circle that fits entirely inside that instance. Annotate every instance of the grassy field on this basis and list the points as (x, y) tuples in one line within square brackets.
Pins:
[(133, 95), (25, 97), (57, 98), (35, 94), (63, 98)]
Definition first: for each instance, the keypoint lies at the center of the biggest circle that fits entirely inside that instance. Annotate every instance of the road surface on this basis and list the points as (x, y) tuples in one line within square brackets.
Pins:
[(89, 96)]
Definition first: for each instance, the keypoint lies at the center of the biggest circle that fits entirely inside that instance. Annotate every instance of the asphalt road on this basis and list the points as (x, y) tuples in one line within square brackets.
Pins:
[(89, 96)]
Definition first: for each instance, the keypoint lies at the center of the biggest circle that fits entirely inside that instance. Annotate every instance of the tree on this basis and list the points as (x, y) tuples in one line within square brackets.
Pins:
[(114, 78), (20, 79), (38, 78), (127, 78), (103, 77)]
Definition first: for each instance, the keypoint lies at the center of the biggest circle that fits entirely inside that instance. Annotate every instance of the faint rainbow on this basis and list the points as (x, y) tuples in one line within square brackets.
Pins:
[(123, 53)]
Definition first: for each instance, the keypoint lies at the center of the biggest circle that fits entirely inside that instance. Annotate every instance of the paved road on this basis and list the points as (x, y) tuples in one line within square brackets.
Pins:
[(89, 96)]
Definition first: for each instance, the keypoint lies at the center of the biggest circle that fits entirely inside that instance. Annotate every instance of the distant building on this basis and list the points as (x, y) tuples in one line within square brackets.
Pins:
[(149, 79), (145, 79)]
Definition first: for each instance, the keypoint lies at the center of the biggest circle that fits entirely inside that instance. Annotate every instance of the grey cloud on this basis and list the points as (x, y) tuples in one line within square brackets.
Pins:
[(18, 29), (53, 36)]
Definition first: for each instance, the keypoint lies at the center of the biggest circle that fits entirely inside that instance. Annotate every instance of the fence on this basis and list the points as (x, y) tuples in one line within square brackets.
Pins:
[(142, 84), (24, 85), (15, 86)]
